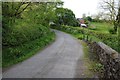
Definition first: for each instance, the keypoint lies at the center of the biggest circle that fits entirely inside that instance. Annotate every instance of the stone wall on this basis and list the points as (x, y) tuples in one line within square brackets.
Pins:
[(109, 58)]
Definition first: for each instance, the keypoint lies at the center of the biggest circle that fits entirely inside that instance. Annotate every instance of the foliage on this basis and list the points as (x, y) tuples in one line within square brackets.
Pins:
[(112, 31), (13, 9), (44, 13), (23, 32), (28, 27), (65, 17), (89, 18), (111, 11), (118, 25), (25, 29), (119, 38), (12, 55), (91, 60), (100, 21)]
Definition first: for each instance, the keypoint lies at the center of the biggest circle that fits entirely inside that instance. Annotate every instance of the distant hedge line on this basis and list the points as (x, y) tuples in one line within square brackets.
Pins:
[(110, 40)]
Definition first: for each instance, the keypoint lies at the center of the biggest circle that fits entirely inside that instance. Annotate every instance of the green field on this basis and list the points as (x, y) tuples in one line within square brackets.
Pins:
[(100, 26)]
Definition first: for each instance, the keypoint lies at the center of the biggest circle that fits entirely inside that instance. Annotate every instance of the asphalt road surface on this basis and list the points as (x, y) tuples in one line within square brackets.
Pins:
[(61, 59)]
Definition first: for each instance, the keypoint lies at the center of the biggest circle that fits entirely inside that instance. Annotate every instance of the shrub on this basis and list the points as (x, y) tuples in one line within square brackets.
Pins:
[(22, 40), (23, 32), (112, 31), (14, 54)]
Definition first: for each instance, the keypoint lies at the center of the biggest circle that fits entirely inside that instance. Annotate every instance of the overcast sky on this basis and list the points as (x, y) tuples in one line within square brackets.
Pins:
[(80, 7)]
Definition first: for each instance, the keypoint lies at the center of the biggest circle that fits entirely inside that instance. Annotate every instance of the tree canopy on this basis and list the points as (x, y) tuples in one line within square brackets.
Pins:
[(65, 17)]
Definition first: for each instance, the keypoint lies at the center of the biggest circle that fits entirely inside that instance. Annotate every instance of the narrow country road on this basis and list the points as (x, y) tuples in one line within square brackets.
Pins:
[(61, 59)]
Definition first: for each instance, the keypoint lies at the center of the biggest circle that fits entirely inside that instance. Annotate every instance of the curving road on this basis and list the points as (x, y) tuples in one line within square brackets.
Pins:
[(61, 59)]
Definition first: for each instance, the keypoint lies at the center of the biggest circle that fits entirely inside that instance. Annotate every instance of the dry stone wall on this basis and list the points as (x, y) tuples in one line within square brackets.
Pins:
[(109, 58)]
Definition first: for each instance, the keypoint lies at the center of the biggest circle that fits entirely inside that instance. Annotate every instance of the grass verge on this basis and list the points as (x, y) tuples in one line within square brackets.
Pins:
[(87, 61), (25, 51), (91, 62)]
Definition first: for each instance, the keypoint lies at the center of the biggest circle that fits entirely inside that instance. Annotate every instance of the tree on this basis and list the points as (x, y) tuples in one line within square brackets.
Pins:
[(89, 18), (28, 16), (110, 8), (65, 17), (44, 12), (14, 9), (117, 21)]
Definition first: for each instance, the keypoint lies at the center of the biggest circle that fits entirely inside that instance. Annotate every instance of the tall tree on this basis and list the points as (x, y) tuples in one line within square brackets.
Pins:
[(65, 17), (14, 9), (110, 8)]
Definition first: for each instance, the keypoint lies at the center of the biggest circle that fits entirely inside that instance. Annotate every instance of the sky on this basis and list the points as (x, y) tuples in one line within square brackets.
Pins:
[(80, 7)]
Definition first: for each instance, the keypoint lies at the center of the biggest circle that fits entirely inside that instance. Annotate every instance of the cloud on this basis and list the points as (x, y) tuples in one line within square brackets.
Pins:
[(80, 7)]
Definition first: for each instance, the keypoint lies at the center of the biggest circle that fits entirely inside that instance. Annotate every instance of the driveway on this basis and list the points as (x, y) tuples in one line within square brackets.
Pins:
[(61, 59)]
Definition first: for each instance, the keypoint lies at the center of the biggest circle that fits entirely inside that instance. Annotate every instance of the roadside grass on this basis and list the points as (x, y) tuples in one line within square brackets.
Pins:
[(93, 64), (100, 26), (90, 38), (27, 50)]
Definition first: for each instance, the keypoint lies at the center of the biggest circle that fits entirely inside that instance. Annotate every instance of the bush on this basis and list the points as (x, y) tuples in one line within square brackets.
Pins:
[(22, 32), (25, 29), (15, 54), (112, 31), (23, 39)]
